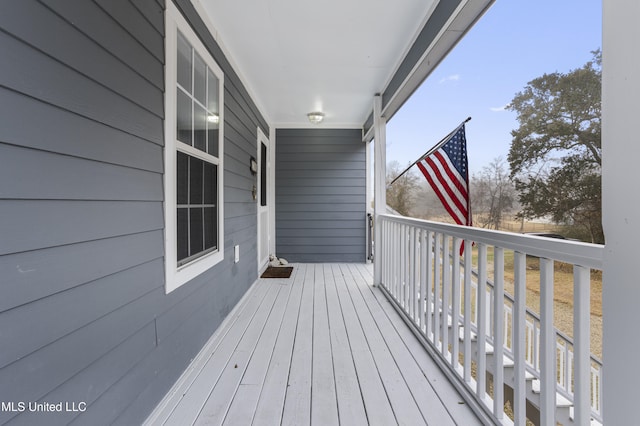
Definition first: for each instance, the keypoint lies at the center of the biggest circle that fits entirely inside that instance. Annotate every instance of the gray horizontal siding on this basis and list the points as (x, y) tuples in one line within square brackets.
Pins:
[(28, 71), (112, 36), (97, 64), (83, 312), (320, 195), (67, 311), (37, 224), (101, 181), (78, 136), (96, 378), (33, 275)]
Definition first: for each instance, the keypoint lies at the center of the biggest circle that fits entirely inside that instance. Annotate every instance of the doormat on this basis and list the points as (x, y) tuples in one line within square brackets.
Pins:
[(277, 272)]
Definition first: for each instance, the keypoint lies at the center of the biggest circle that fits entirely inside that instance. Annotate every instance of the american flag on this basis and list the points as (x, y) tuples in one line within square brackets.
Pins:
[(446, 170)]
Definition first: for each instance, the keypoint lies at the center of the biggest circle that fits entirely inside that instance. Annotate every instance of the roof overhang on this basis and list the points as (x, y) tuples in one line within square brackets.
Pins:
[(334, 56)]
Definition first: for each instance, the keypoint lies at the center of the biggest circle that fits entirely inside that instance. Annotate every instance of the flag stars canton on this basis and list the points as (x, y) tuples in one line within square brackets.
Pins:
[(456, 149)]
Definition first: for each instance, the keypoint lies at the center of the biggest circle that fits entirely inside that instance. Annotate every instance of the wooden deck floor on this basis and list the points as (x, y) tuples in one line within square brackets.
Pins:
[(323, 347)]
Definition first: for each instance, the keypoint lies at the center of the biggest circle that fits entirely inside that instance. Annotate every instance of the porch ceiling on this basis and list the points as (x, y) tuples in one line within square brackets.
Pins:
[(298, 56)]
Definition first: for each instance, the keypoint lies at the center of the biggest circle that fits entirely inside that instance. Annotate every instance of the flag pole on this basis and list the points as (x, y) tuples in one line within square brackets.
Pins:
[(435, 148)]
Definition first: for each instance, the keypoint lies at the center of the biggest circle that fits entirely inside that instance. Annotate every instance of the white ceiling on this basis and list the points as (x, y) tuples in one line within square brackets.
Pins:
[(298, 56)]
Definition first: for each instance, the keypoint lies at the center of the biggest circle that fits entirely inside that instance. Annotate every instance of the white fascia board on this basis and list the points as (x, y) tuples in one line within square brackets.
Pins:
[(368, 136), (409, 45), (464, 17)]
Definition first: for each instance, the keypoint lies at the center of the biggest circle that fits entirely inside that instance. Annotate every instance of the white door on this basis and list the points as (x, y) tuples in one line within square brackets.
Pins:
[(263, 200)]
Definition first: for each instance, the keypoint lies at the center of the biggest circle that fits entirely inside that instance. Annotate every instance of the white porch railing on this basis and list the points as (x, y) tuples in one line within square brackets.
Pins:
[(424, 273)]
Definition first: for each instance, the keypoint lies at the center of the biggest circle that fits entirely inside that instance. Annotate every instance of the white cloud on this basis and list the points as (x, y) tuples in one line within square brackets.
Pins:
[(452, 77), (499, 109)]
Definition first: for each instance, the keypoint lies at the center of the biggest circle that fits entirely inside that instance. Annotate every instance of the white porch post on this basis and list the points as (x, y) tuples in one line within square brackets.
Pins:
[(380, 190), (621, 209)]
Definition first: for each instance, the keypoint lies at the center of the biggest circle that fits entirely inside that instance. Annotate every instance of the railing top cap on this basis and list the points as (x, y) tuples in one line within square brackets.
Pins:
[(575, 252)]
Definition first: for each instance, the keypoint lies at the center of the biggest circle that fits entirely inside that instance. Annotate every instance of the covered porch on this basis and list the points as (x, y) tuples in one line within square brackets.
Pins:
[(90, 315), (323, 347)]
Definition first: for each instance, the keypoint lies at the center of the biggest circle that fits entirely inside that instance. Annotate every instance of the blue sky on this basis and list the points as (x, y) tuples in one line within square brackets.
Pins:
[(515, 42)]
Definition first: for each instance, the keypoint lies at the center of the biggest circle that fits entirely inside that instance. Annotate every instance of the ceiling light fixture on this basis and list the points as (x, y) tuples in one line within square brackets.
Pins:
[(315, 117), (213, 118)]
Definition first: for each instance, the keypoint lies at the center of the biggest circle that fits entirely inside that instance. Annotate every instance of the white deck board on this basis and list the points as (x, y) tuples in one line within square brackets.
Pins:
[(449, 398), (374, 395), (297, 406), (423, 393), (324, 407), (323, 347), (402, 401), (274, 389), (221, 396), (349, 397), (193, 395)]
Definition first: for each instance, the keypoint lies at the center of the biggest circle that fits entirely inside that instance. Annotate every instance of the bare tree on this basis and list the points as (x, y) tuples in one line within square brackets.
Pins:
[(401, 195), (492, 194)]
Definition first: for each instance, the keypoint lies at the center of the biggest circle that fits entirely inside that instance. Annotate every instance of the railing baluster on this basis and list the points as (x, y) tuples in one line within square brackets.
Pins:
[(467, 311), (412, 272), (403, 265), (416, 274), (581, 347), (429, 298), (519, 339), (437, 297), (498, 323), (481, 308), (548, 345), (396, 262), (390, 261), (407, 268), (385, 254), (381, 250), (423, 280), (446, 292), (455, 303)]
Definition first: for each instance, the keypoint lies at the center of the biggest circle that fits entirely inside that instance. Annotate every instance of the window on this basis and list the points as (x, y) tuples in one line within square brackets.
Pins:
[(263, 174), (193, 155)]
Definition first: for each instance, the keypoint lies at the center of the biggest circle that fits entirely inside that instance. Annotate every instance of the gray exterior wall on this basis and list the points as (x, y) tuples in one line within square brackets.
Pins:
[(83, 312), (320, 195)]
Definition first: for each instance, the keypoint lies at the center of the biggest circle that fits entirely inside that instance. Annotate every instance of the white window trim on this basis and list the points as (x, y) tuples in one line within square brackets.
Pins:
[(176, 276)]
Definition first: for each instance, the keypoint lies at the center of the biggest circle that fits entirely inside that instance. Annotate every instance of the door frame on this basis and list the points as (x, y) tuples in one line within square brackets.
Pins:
[(263, 258)]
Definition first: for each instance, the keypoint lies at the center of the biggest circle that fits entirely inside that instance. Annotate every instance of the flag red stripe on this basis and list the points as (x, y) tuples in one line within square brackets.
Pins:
[(447, 182), (457, 180), (455, 214)]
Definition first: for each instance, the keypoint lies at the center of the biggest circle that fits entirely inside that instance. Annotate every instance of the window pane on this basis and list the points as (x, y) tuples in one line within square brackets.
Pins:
[(184, 118), (199, 75), (210, 228), (183, 233), (212, 89), (210, 184), (263, 174), (199, 128), (184, 63), (195, 180), (212, 137), (183, 178), (196, 231)]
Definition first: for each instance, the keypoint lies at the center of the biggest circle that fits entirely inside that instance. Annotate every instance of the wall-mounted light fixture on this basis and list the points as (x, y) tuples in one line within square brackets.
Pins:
[(315, 117), (253, 166)]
